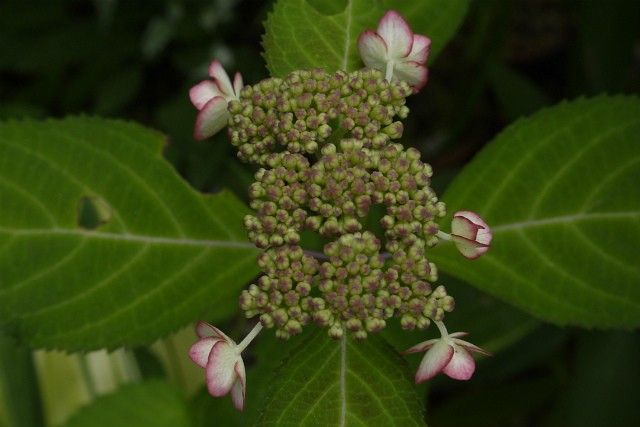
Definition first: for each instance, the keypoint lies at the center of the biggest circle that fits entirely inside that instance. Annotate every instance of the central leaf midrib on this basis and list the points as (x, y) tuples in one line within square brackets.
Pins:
[(343, 381), (127, 237), (564, 219), (347, 42)]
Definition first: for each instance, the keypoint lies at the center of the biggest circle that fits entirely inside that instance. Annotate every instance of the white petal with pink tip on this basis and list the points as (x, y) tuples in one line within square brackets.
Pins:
[(470, 225), (412, 73), (237, 84), (434, 361), (217, 72), (420, 49), (469, 248), (461, 366), (202, 93), (396, 33), (373, 50), (200, 351), (211, 119), (469, 346), (204, 329), (220, 372), (425, 345), (239, 388)]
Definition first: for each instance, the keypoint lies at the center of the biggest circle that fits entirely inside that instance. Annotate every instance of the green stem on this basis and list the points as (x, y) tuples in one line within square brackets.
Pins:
[(19, 387)]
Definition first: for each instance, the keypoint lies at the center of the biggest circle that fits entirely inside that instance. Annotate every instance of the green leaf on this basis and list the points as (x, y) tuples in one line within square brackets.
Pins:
[(347, 383), (150, 404), (560, 192), (154, 256), (302, 34)]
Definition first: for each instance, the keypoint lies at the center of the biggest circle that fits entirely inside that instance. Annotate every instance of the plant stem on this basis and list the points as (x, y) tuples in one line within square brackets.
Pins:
[(250, 336), (443, 236), (441, 328), (389, 71)]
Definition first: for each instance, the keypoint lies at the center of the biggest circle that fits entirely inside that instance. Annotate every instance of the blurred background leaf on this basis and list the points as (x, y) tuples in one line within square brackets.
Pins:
[(148, 404)]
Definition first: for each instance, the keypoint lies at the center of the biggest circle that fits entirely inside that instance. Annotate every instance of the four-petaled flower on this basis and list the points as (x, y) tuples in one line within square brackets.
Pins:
[(396, 51), (222, 360), (447, 354), (211, 97), (471, 235)]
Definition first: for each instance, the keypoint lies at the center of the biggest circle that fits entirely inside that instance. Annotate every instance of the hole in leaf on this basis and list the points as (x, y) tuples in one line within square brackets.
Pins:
[(328, 7), (93, 212)]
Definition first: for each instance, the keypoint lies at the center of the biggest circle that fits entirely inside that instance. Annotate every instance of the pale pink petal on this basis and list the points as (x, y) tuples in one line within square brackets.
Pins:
[(420, 49), (239, 388), (469, 346), (483, 231), (211, 119), (373, 50), (237, 84), (461, 366), (463, 227), (220, 372), (204, 329), (425, 345), (396, 33), (200, 351), (202, 93), (469, 248), (458, 334), (412, 73), (484, 236), (434, 361), (217, 72)]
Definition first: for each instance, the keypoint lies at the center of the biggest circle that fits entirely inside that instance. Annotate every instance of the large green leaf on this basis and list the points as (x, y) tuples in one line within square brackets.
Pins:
[(560, 191), (150, 404), (162, 255), (303, 34), (346, 383)]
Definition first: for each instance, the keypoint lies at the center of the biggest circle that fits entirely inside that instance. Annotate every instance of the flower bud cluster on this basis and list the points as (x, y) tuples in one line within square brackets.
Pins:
[(280, 197), (299, 113), (353, 286), (324, 144), (282, 296)]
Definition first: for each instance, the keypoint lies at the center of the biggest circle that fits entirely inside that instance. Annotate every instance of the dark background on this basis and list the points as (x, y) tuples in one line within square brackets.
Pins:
[(136, 60)]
